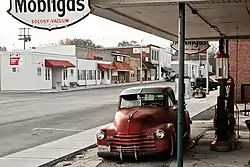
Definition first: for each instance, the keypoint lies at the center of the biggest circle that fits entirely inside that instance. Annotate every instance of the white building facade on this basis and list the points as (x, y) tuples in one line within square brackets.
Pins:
[(192, 68), (49, 68), (164, 63)]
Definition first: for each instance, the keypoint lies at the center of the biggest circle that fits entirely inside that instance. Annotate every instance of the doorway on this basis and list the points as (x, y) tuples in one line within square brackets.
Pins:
[(56, 76)]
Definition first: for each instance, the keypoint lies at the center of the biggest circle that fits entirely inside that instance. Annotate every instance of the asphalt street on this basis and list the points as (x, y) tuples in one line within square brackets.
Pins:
[(28, 120)]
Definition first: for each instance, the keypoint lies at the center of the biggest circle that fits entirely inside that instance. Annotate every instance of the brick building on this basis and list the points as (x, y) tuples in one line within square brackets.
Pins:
[(155, 59), (241, 74)]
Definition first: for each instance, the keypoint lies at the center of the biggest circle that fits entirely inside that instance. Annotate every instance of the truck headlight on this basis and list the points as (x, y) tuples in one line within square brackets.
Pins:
[(160, 134), (100, 135)]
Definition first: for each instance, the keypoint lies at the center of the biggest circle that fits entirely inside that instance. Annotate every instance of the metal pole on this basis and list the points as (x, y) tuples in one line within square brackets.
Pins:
[(181, 42), (236, 81), (207, 71), (141, 63), (24, 36)]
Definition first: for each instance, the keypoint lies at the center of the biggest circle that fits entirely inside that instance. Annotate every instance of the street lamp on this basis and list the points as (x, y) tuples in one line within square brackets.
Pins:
[(141, 62), (221, 67)]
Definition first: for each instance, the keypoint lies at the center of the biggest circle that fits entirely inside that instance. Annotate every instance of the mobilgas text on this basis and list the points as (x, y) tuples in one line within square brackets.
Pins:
[(60, 6), (193, 43)]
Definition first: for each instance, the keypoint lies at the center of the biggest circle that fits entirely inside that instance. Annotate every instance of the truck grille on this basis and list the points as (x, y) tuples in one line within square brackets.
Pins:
[(128, 143)]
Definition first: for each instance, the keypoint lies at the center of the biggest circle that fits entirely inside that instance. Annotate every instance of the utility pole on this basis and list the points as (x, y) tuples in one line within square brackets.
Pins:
[(24, 35)]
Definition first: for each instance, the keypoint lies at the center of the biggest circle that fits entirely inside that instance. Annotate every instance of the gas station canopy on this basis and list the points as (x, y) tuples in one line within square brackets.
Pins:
[(205, 20)]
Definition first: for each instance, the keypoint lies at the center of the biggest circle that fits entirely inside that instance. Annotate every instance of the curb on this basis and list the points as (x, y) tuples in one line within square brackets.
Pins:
[(55, 161), (204, 111), (76, 90)]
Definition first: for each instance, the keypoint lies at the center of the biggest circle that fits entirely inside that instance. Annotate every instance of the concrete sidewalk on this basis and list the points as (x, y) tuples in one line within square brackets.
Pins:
[(82, 88), (201, 155), (60, 149)]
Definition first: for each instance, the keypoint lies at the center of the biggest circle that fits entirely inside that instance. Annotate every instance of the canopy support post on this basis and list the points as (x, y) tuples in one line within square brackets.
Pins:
[(181, 42)]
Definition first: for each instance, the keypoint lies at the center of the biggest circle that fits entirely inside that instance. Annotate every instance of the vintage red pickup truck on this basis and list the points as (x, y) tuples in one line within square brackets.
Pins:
[(145, 124)]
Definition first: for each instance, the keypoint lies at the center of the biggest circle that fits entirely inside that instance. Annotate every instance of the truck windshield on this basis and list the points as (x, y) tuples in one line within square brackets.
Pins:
[(138, 100)]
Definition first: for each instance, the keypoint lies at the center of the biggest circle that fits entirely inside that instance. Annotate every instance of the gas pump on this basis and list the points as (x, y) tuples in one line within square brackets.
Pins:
[(224, 121)]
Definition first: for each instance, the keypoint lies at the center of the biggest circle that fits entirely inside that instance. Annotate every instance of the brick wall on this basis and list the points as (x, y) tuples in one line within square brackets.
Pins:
[(243, 65), (135, 64)]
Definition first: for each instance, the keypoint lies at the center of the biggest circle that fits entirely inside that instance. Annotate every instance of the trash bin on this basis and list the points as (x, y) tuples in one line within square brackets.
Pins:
[(58, 86), (187, 87)]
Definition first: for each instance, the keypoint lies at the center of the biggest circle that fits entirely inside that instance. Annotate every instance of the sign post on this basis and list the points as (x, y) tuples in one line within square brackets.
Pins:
[(49, 14)]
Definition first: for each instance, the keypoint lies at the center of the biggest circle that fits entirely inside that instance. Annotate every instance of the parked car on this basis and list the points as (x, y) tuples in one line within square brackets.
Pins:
[(171, 78), (145, 124), (201, 82)]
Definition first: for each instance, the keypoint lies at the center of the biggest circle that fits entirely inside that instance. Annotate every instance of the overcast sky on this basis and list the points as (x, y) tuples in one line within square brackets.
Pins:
[(99, 30)]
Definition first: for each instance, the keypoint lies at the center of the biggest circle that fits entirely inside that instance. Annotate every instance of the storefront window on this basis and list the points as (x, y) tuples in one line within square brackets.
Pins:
[(108, 75), (91, 75), (94, 74), (84, 74), (98, 74)]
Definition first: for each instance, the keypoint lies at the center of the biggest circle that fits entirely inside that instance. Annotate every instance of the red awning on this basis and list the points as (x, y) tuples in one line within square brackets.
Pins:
[(58, 63), (106, 66), (122, 66)]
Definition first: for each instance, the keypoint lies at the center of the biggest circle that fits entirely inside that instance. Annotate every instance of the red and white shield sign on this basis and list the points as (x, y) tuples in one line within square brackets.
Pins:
[(49, 14)]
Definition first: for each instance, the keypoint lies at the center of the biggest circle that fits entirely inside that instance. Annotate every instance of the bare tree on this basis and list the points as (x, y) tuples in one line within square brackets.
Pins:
[(127, 43)]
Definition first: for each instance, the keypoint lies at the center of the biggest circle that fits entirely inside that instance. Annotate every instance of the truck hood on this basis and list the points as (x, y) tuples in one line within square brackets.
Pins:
[(136, 120)]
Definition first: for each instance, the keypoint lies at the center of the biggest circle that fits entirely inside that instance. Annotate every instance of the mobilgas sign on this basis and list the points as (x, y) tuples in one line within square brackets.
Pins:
[(49, 14), (192, 47)]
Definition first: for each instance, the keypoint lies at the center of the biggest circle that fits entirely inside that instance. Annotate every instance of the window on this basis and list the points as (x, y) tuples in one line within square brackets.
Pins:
[(14, 69), (78, 75), (98, 74), (153, 54), (39, 71), (94, 74), (157, 55), (102, 74), (108, 73), (135, 100), (72, 72), (47, 74), (65, 74), (84, 73), (170, 103), (81, 74), (91, 74), (132, 74)]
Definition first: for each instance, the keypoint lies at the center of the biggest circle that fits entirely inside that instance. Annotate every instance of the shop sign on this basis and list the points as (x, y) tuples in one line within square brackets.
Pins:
[(14, 61), (192, 47), (49, 14), (138, 50)]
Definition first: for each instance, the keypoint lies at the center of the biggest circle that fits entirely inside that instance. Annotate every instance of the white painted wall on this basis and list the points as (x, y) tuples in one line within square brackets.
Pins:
[(26, 78), (188, 67), (58, 50), (164, 60)]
